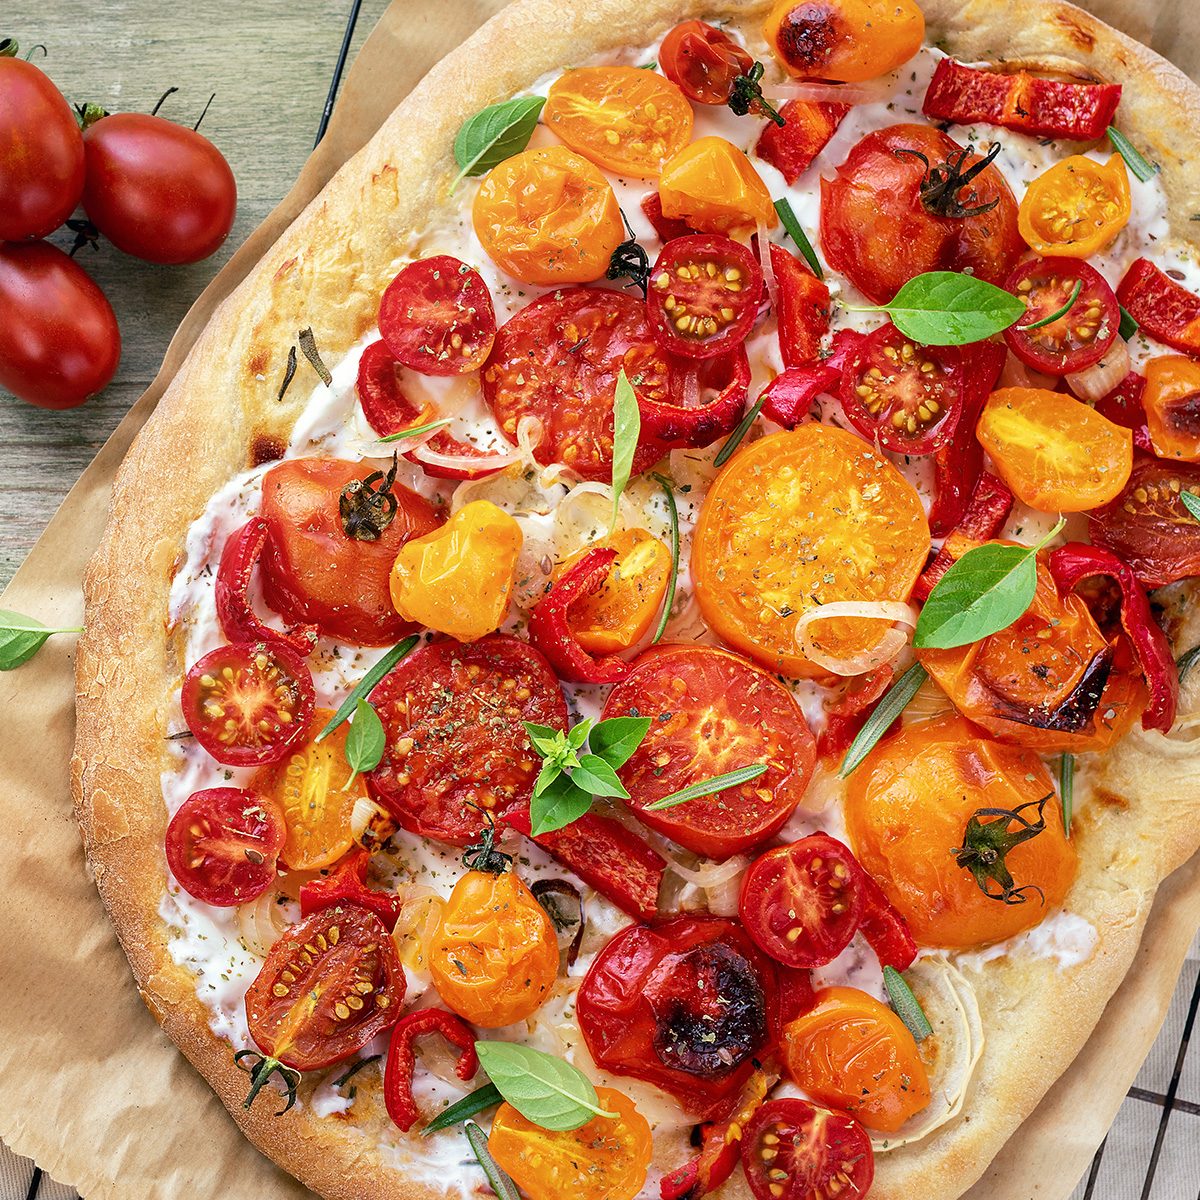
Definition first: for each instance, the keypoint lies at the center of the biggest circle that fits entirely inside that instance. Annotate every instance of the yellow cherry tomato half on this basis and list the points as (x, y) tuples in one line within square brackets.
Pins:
[(714, 187), (844, 40), (310, 786), (1172, 401), (625, 119), (1055, 452), (606, 1159), (798, 520), (459, 578), (852, 1052), (548, 217), (493, 954), (1076, 208)]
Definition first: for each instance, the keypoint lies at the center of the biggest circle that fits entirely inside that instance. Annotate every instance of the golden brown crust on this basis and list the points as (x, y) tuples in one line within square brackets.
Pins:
[(328, 271)]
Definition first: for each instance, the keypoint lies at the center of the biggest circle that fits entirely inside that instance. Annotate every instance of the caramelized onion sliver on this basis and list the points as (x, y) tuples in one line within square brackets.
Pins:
[(764, 261), (895, 611), (1097, 381), (262, 922)]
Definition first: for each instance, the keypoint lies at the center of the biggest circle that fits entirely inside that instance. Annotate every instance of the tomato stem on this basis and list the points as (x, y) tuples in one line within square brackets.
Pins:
[(986, 845), (942, 185), (746, 96), (261, 1071), (367, 510)]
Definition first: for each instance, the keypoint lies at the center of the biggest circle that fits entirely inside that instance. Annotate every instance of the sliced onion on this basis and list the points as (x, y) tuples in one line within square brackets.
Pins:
[(764, 261), (262, 922), (422, 910), (889, 646), (370, 825), (928, 703), (439, 1057), (707, 873), (1016, 374), (828, 93), (1097, 381), (695, 468), (689, 625)]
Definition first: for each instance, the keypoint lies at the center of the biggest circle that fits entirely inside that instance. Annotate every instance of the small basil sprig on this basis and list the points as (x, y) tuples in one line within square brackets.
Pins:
[(906, 1005), (627, 428), (365, 742), (494, 134), (894, 701), (707, 787), (669, 599), (571, 778), (985, 591), (544, 1089), (1134, 159), (367, 683), (792, 224), (480, 1099), (22, 637), (1062, 312), (499, 1182), (949, 308)]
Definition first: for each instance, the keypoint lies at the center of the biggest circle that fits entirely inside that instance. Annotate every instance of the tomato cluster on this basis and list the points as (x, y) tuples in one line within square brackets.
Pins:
[(156, 190)]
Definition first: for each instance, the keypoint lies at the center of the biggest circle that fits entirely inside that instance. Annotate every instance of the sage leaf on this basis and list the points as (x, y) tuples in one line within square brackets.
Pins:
[(669, 598), (21, 637), (560, 802), (366, 685), (544, 1089), (481, 1098), (595, 776), (948, 308), (985, 591), (1134, 159), (616, 739), (365, 742), (893, 702), (706, 787), (494, 134), (627, 428), (907, 1007), (498, 1180)]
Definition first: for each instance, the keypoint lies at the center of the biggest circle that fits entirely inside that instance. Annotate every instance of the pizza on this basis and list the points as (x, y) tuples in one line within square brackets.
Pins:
[(645, 652)]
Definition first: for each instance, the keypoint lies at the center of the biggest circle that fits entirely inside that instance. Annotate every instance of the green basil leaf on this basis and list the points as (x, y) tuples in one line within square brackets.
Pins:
[(891, 705), (597, 778), (415, 431), (985, 591), (1066, 789), (627, 428), (579, 734), (1128, 326), (481, 1098), (669, 599), (551, 770), (494, 134), (1134, 159), (792, 224), (1191, 502), (907, 1007), (546, 741), (706, 787), (365, 742), (734, 440), (498, 1180), (544, 1089), (21, 637), (948, 308), (367, 683), (616, 739), (559, 803)]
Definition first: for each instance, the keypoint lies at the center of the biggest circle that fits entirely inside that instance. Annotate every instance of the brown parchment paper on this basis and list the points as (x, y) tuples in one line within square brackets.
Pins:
[(89, 1085)]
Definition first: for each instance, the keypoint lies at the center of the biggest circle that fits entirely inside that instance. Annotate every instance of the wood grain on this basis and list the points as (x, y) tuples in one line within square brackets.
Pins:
[(270, 63)]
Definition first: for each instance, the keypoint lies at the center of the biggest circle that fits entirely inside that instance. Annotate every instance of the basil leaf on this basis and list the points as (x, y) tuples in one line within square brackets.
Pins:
[(551, 770), (1128, 326), (415, 431), (1066, 789), (365, 742), (546, 741), (906, 1005), (559, 803), (948, 308), (1062, 312), (627, 427), (984, 592), (616, 739), (706, 787), (734, 440), (1134, 159), (1191, 502), (22, 637), (595, 776), (891, 705), (494, 134), (482, 1097), (367, 683), (544, 1089), (498, 1181), (669, 598), (792, 224), (579, 734)]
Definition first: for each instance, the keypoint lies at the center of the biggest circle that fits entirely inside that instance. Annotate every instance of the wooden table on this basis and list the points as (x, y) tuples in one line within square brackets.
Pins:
[(271, 63)]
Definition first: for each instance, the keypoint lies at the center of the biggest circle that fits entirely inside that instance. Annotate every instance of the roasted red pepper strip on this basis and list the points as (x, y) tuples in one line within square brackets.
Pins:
[(1074, 562), (239, 621), (1164, 309), (1040, 107), (803, 315), (790, 148), (991, 502), (1123, 406), (402, 1059), (667, 228), (677, 427), (789, 396), (608, 857), (885, 929), (847, 715), (552, 635), (347, 884)]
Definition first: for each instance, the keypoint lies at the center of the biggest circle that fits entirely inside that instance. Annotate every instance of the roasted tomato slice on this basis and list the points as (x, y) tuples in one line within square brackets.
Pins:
[(436, 317), (249, 703), (686, 1006), (1172, 406), (802, 903), (1147, 526), (558, 360), (703, 60), (905, 396), (314, 570), (1074, 341), (704, 295), (713, 712), (456, 745), (222, 844), (329, 985), (802, 312)]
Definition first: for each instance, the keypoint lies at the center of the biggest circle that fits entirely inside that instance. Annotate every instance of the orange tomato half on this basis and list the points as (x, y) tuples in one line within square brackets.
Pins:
[(1077, 207), (844, 40), (625, 119), (606, 1159), (907, 809), (852, 1052), (1055, 452), (548, 217), (714, 187), (1172, 402), (797, 520)]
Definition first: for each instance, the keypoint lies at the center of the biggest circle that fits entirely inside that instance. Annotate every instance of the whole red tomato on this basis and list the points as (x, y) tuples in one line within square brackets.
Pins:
[(59, 342), (41, 153), (157, 190)]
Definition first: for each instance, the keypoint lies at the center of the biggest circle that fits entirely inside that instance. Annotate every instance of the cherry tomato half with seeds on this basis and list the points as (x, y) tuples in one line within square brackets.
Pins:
[(703, 60), (1076, 340), (436, 317), (703, 296), (802, 903), (329, 985), (792, 1150), (249, 703), (223, 843)]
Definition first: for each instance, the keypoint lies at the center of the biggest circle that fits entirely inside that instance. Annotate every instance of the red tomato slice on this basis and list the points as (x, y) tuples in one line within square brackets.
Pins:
[(801, 903), (329, 985), (703, 61), (803, 311), (558, 360), (905, 396), (223, 843), (436, 317), (455, 741), (886, 931), (808, 125), (249, 703), (704, 295), (792, 1150), (1080, 337), (713, 712)]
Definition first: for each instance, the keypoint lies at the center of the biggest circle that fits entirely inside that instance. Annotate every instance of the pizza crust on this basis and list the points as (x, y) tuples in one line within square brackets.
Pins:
[(220, 415)]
